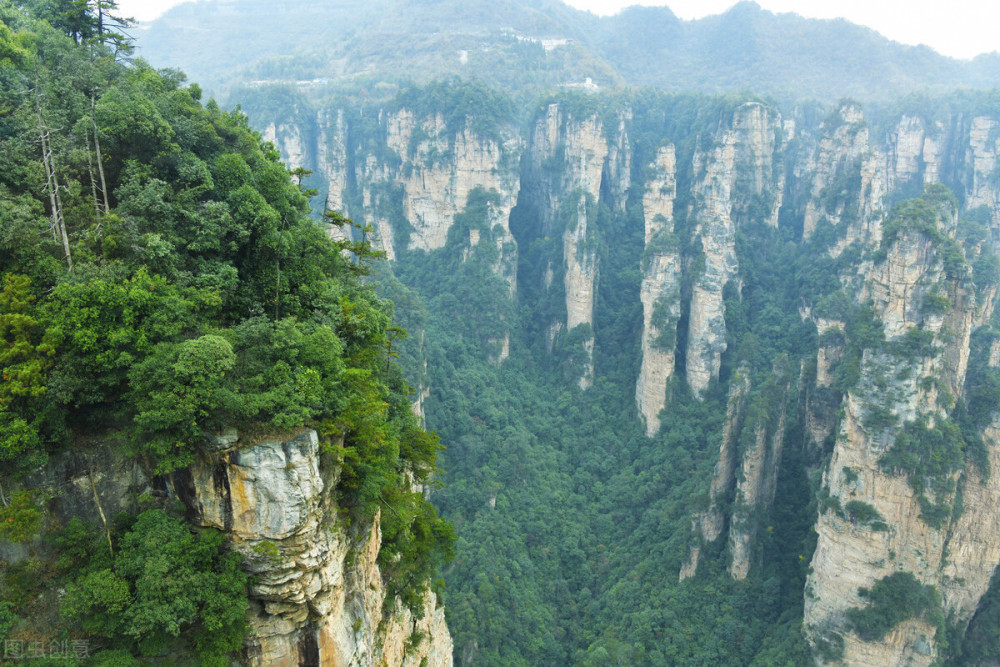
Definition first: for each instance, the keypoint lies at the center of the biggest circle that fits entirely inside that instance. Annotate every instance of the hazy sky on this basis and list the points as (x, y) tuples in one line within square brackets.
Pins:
[(958, 28)]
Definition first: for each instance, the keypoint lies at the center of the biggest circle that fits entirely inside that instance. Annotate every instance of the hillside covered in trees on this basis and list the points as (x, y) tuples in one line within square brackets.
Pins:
[(164, 283)]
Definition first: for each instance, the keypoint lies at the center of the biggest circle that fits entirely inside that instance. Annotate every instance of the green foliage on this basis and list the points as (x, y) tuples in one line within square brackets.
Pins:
[(982, 396), (25, 359), (933, 514), (571, 523), (163, 583), (20, 517), (842, 195), (927, 215), (664, 322), (863, 331), (8, 619), (986, 269), (861, 512), (915, 343), (180, 388), (268, 550), (935, 304), (892, 600), (460, 102), (981, 642), (927, 455)]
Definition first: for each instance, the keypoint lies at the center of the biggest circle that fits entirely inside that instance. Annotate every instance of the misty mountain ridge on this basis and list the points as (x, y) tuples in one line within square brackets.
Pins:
[(355, 43)]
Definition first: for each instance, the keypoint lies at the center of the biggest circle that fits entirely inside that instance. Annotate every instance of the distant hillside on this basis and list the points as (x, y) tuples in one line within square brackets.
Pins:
[(528, 45)]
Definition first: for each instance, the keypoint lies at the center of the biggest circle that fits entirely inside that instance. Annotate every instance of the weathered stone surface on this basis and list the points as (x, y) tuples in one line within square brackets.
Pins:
[(741, 163), (984, 156), (317, 593), (709, 523), (755, 485), (661, 286), (95, 483), (571, 156), (851, 555), (845, 155), (441, 170)]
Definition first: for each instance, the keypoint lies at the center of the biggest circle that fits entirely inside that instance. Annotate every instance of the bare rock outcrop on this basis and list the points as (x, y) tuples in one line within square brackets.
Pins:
[(736, 172), (660, 291), (572, 157), (847, 180), (708, 524), (317, 595)]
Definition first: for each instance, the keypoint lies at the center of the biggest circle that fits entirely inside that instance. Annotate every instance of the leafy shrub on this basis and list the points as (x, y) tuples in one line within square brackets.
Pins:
[(926, 454), (892, 600), (935, 304), (863, 513), (20, 518), (163, 583)]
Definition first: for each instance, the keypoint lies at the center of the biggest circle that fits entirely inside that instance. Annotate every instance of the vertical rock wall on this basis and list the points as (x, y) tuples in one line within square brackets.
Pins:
[(707, 525), (572, 158), (843, 180), (317, 595), (895, 388), (660, 292), (729, 175), (763, 441), (847, 180)]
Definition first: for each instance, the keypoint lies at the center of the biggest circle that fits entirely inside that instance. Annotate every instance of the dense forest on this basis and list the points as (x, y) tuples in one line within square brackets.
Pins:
[(162, 281)]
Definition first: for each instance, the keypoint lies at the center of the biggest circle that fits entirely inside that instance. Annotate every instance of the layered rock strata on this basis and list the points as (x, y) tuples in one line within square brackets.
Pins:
[(737, 171), (660, 292), (898, 388), (317, 595)]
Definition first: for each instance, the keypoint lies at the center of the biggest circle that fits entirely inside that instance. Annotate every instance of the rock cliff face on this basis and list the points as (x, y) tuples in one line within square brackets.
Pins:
[(572, 158), (852, 555), (879, 519), (763, 440), (418, 177), (661, 289), (708, 524), (317, 594), (440, 167), (983, 154), (737, 173), (847, 181), (914, 153)]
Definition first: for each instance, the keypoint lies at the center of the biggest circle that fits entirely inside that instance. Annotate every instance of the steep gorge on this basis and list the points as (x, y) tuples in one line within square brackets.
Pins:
[(711, 208)]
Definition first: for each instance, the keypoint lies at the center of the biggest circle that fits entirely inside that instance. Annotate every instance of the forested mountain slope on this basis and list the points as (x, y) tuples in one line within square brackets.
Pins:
[(206, 451)]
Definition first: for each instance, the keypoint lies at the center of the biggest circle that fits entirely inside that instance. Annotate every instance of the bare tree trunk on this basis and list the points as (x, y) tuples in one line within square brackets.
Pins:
[(93, 183), (97, 146), (100, 510), (52, 179), (44, 141)]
